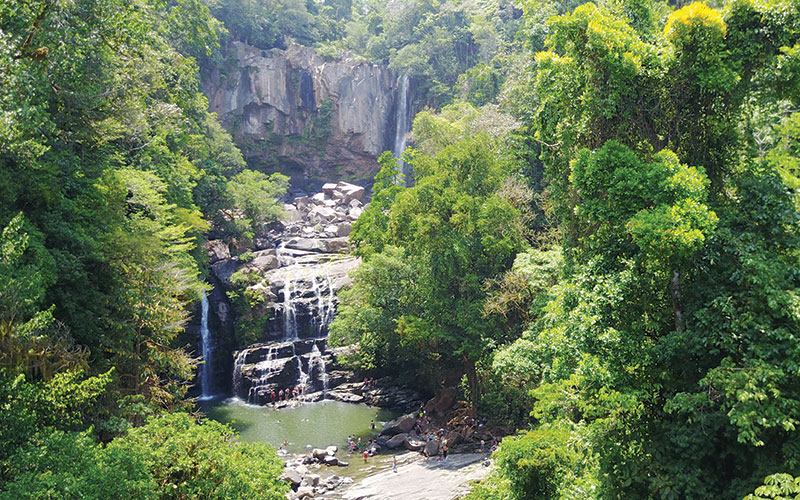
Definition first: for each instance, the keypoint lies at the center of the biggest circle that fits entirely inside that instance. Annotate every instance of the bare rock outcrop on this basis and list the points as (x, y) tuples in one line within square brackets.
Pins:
[(312, 118)]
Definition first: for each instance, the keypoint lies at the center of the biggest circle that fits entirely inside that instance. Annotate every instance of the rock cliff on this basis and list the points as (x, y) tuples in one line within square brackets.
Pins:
[(295, 112)]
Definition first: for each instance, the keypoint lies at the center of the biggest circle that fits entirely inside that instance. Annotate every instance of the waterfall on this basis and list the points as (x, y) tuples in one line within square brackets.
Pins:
[(238, 365), (331, 296), (317, 359), (207, 349), (325, 305), (320, 320), (402, 125), (266, 370), (289, 312)]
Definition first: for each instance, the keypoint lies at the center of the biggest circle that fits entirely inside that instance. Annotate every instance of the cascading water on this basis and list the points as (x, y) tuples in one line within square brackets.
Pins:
[(206, 348), (238, 365), (402, 128), (316, 359), (289, 311), (266, 369)]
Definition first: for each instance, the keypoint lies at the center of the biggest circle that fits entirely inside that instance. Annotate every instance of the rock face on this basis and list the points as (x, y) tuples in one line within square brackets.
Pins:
[(310, 118)]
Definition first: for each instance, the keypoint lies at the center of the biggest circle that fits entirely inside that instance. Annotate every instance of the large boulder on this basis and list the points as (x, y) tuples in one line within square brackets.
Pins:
[(330, 461), (319, 454), (291, 475), (414, 444), (397, 441), (218, 250), (224, 269), (402, 424), (328, 189), (350, 191), (442, 402), (264, 260), (432, 448), (304, 492)]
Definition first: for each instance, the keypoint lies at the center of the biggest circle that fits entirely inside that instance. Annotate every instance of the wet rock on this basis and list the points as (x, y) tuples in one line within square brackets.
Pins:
[(319, 454), (330, 461)]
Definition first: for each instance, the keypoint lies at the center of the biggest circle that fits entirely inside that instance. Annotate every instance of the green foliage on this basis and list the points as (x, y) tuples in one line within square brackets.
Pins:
[(171, 457), (456, 233), (69, 401), (255, 195), (777, 487)]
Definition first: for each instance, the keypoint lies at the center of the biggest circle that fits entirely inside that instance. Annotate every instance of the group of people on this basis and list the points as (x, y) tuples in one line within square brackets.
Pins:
[(288, 393)]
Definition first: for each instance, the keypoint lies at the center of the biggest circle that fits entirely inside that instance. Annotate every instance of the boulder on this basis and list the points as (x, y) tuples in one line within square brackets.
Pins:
[(331, 450), (318, 199), (328, 189), (330, 461), (223, 270), (382, 440), (311, 480), (292, 476), (264, 260), (454, 438), (397, 441), (344, 229), (261, 242), (324, 213), (342, 463), (350, 191), (218, 250), (414, 444), (304, 492), (307, 244), (354, 213), (432, 448), (355, 204), (442, 402), (319, 454), (336, 245), (402, 424), (302, 202)]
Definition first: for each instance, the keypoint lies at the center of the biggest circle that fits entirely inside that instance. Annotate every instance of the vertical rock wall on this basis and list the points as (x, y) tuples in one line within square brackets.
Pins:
[(313, 119)]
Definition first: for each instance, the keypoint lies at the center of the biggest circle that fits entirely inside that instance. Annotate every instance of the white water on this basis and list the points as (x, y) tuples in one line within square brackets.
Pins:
[(402, 125), (267, 369), (238, 364), (289, 311), (317, 359), (206, 349)]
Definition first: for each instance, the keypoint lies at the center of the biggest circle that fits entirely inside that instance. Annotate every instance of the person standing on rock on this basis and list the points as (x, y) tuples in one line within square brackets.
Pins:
[(366, 456)]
